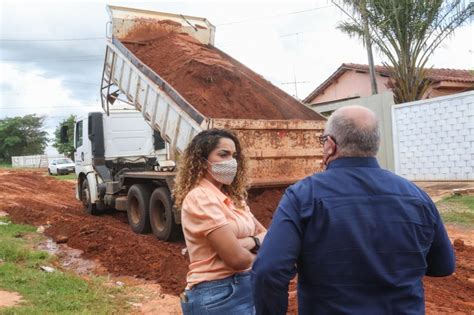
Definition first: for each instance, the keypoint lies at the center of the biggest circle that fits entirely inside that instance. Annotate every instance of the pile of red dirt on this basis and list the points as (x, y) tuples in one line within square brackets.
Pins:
[(214, 83), (263, 202), (34, 198), (453, 294)]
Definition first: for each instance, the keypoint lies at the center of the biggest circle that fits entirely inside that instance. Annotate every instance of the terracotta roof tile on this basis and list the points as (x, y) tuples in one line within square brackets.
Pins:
[(434, 75)]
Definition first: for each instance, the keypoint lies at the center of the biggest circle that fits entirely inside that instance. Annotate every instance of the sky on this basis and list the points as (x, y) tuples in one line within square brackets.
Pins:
[(51, 52)]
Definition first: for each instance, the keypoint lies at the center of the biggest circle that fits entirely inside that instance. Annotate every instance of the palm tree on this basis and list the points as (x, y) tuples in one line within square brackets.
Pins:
[(406, 33)]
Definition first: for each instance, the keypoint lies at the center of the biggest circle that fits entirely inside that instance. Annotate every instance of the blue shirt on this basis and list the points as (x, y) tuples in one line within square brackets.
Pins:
[(360, 238)]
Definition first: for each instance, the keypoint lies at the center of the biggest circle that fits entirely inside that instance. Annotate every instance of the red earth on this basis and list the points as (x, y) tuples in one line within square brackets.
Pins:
[(34, 198), (214, 83)]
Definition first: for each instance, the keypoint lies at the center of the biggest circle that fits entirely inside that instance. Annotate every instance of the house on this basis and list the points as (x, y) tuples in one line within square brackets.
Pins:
[(352, 81)]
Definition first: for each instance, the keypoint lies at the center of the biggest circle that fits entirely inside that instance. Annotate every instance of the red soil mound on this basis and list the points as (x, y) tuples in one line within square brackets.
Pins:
[(214, 83)]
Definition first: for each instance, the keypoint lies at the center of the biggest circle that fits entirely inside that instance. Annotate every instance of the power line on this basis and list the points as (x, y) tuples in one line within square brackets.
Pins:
[(77, 82), (49, 107), (234, 42), (50, 40), (45, 77), (65, 60), (272, 16), (55, 59), (102, 38), (296, 33), (26, 93)]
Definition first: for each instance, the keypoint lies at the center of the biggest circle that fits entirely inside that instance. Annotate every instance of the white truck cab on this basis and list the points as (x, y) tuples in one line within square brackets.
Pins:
[(123, 137), (107, 149)]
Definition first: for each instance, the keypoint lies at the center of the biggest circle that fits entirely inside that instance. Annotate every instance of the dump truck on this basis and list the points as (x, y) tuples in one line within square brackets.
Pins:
[(126, 155)]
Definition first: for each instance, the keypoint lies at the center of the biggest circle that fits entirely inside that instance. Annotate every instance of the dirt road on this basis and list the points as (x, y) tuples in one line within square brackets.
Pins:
[(34, 198)]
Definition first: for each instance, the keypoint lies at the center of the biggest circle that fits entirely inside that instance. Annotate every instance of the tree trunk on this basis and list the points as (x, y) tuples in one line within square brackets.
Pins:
[(368, 45)]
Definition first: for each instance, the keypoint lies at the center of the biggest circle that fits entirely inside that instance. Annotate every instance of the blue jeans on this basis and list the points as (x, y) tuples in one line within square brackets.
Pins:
[(232, 295)]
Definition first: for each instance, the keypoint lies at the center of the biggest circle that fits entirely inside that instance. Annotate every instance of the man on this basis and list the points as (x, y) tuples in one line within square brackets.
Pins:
[(360, 237)]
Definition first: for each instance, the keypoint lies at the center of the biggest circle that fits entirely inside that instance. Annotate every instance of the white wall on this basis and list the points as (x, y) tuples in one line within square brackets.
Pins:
[(33, 161), (381, 104), (434, 138)]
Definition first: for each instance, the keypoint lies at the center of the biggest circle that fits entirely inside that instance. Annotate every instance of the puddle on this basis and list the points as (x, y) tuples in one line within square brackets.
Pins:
[(49, 246), (145, 297), (70, 258)]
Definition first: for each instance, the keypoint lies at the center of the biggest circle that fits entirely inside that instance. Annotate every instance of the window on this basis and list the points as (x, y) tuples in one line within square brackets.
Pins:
[(327, 114), (65, 161), (78, 134)]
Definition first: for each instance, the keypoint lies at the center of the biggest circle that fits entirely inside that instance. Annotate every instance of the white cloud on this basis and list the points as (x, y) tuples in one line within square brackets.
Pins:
[(30, 92)]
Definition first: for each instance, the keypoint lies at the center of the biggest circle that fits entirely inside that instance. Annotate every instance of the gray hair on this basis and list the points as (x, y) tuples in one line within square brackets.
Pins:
[(354, 138)]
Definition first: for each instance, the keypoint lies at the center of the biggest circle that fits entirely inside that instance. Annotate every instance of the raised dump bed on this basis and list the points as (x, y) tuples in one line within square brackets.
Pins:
[(167, 67)]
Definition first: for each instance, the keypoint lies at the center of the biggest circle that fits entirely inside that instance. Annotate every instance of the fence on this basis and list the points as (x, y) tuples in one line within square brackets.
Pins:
[(431, 139), (434, 138), (33, 161), (380, 104)]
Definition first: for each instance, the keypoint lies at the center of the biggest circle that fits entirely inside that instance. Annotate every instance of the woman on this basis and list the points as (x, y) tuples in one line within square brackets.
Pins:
[(221, 233)]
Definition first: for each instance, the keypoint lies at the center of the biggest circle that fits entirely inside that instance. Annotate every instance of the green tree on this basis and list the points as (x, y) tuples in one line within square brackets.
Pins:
[(22, 136), (68, 147), (406, 33)]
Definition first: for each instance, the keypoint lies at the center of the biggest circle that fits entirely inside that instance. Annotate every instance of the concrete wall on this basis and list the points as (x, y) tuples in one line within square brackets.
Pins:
[(33, 161), (381, 104), (434, 138)]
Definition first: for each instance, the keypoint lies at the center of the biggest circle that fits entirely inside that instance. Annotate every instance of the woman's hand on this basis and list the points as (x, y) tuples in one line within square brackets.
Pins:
[(228, 248), (248, 242)]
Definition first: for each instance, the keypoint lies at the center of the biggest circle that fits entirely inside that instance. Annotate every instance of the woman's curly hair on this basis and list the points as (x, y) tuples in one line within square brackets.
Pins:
[(192, 166)]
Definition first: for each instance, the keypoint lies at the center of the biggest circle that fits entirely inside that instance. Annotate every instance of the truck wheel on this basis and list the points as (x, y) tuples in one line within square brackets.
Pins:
[(137, 208), (90, 208), (161, 215), (49, 172)]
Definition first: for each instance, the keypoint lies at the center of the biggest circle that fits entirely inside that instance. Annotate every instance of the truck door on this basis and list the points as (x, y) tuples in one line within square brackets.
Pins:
[(82, 156)]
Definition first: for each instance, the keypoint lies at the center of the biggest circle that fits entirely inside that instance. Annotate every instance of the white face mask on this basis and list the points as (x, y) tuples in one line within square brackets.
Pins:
[(224, 172)]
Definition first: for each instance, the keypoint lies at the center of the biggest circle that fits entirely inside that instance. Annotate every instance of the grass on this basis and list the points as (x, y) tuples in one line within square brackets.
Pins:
[(71, 176), (457, 209), (49, 293), (5, 165)]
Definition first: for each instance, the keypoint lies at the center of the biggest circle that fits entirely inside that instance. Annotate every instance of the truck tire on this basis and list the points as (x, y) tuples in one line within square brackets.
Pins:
[(161, 215), (90, 208), (137, 208)]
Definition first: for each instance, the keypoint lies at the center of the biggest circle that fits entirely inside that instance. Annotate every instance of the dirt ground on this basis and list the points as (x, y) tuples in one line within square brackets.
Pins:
[(159, 268), (8, 299), (440, 189)]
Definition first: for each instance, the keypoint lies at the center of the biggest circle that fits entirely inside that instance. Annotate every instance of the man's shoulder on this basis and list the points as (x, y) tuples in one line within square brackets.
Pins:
[(414, 190)]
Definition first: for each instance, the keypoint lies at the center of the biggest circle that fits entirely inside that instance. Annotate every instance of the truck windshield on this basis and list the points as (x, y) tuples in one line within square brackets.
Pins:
[(65, 161)]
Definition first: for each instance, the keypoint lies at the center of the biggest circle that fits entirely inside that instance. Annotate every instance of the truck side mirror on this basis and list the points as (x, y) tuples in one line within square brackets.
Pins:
[(159, 142), (63, 134)]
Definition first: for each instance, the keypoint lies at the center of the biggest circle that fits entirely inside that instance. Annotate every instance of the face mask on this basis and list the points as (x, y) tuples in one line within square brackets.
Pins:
[(224, 172)]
